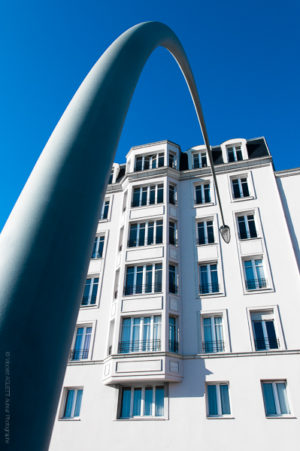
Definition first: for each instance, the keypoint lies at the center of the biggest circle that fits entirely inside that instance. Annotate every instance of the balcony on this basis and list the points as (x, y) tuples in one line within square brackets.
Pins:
[(208, 288), (143, 288), (126, 347), (255, 284), (264, 344), (213, 346), (79, 354)]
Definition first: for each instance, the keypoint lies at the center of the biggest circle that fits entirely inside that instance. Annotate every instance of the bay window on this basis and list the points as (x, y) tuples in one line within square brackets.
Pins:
[(143, 279), (148, 195), (145, 233), (140, 334)]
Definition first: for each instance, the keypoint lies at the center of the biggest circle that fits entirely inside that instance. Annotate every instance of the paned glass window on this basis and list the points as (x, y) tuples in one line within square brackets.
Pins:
[(73, 403), (275, 398), (90, 291), (143, 279), (98, 247), (199, 160), (208, 278), (205, 232), (218, 400), (105, 210), (142, 402), (213, 334), (172, 233), (254, 274), (145, 162), (246, 226), (140, 334), (145, 233), (172, 194), (148, 195), (202, 193), (82, 343), (173, 283), (173, 334), (240, 188), (234, 153), (264, 330)]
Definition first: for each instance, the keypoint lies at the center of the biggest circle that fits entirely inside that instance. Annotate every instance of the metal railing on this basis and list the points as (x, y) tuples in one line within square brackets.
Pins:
[(126, 347), (255, 284), (264, 344), (213, 346), (209, 288), (155, 287), (79, 354)]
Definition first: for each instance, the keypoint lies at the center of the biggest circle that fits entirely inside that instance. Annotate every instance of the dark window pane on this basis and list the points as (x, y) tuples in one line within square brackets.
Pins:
[(136, 197), (242, 227), (160, 194), (152, 195), (150, 233), (159, 232)]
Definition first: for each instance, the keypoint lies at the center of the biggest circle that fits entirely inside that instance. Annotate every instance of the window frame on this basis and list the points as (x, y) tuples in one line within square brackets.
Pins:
[(274, 383), (212, 317), (245, 214), (144, 277), (150, 344), (174, 187), (266, 278), (176, 277), (83, 324), (156, 223), (106, 203), (202, 188), (200, 154), (152, 156), (205, 221), (63, 404), (244, 175), (277, 325), (175, 228), (96, 303), (220, 415), (236, 147), (148, 187), (98, 238), (220, 286), (143, 388)]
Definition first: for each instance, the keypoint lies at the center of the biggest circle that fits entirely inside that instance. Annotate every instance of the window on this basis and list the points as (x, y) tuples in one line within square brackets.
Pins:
[(205, 232), (72, 403), (213, 334), (240, 188), (145, 233), (275, 398), (143, 279), (98, 247), (172, 161), (208, 278), (142, 402), (144, 162), (254, 274), (82, 343), (234, 153), (173, 282), (246, 226), (218, 400), (199, 160), (90, 291), (172, 194), (105, 210), (140, 334), (172, 233), (148, 195), (173, 334), (202, 193), (264, 330)]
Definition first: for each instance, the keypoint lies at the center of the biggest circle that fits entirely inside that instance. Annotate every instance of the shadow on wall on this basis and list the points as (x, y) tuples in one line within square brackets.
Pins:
[(289, 222)]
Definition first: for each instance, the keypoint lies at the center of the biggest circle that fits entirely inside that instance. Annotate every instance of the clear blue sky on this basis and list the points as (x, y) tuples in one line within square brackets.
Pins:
[(244, 54)]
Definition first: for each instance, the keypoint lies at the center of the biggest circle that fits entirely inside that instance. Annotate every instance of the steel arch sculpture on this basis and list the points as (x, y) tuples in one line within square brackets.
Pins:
[(46, 244)]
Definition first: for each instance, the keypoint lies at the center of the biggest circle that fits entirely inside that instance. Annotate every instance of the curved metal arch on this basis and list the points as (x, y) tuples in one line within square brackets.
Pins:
[(46, 244)]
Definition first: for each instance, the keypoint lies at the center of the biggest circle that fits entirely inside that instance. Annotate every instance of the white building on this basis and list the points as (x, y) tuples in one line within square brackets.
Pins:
[(184, 341)]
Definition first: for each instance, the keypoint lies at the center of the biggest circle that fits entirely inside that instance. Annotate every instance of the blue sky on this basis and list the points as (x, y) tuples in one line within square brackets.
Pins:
[(244, 55)]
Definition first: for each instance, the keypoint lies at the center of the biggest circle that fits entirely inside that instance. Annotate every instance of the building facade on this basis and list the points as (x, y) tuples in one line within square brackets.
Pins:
[(182, 340)]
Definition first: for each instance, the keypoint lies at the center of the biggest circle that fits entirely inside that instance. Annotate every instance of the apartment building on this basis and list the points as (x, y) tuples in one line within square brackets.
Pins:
[(183, 341)]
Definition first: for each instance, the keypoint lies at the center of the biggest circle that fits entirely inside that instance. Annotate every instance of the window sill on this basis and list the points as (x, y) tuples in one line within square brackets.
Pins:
[(136, 207), (241, 199), (207, 244), (69, 419), (216, 294), (142, 294), (147, 246), (250, 238), (91, 306), (258, 290), (104, 220), (220, 417), (281, 417), (143, 419), (207, 204)]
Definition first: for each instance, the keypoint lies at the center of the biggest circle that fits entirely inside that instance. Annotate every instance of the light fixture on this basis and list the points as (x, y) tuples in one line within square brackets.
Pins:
[(225, 233)]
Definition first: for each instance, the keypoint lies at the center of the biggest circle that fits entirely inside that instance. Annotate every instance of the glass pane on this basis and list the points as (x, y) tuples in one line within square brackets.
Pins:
[(283, 402), (252, 228), (133, 235), (139, 279), (78, 344), (150, 239), (125, 407), (156, 333), (245, 187), (86, 293), (224, 399), (146, 163), (161, 160), (230, 154), (148, 401), (219, 334), (206, 193), (212, 400), (159, 401), (94, 291), (242, 227), (149, 270), (138, 163), (273, 344), (204, 288), (152, 195), (158, 278), (159, 231), (196, 161), (208, 339), (94, 248), (259, 336), (129, 280), (146, 335), (86, 344), (214, 279), (78, 403), (269, 399), (144, 196), (160, 194), (136, 197), (199, 194), (69, 404), (137, 397), (142, 235), (201, 233), (210, 232), (236, 189), (249, 273), (125, 340)]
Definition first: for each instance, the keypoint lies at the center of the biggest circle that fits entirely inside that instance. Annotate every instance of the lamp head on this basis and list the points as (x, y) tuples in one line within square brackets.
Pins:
[(225, 233)]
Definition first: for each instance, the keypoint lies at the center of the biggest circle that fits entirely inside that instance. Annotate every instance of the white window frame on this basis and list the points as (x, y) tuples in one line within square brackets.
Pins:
[(277, 325), (205, 220), (153, 156), (144, 265), (220, 279), (105, 201), (98, 238), (64, 398), (141, 332), (202, 184), (85, 324), (245, 215), (175, 232), (200, 154), (140, 187), (143, 417), (155, 221), (243, 175), (226, 337), (236, 147), (219, 404), (257, 289), (89, 305), (276, 398)]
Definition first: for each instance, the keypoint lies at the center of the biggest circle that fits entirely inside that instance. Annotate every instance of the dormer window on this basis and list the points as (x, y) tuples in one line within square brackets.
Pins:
[(144, 162), (172, 161), (199, 160), (234, 153)]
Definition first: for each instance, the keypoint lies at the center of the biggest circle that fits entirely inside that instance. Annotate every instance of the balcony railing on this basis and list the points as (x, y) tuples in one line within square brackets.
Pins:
[(89, 300), (213, 346), (264, 344), (142, 289), (126, 347), (255, 284), (207, 288), (173, 346), (79, 354)]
